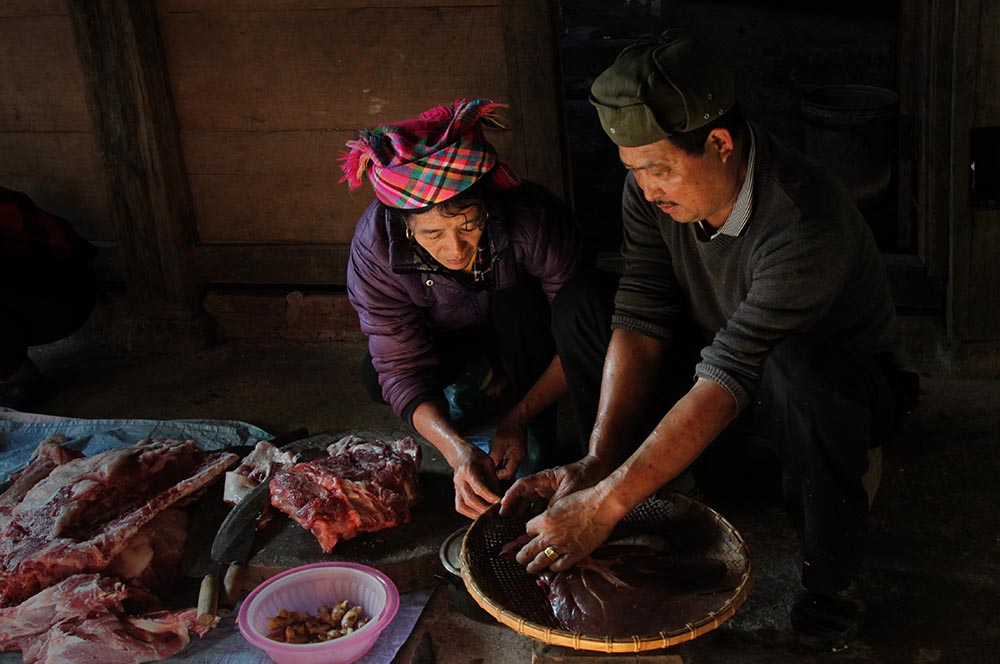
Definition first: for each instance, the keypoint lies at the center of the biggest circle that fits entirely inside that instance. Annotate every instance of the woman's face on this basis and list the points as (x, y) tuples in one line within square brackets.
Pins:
[(450, 239)]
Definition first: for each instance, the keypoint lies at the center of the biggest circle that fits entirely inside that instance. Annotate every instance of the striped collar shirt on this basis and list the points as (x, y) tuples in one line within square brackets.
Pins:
[(740, 214)]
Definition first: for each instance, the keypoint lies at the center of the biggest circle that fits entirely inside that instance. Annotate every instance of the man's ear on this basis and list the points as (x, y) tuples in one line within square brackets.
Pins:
[(720, 142)]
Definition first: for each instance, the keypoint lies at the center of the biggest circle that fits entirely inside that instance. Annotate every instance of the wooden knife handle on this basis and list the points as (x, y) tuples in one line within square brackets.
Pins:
[(232, 584), (208, 599)]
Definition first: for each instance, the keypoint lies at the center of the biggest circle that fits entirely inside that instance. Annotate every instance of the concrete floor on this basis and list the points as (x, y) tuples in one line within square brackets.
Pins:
[(932, 579)]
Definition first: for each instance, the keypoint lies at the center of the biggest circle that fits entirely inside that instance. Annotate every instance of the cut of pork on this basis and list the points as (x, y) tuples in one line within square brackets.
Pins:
[(83, 514), (153, 555), (50, 453), (88, 618), (265, 460), (360, 486)]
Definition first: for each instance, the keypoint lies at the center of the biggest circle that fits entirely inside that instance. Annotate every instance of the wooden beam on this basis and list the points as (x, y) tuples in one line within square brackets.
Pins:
[(906, 220), (936, 131), (131, 110), (975, 236), (270, 264), (532, 45), (293, 5)]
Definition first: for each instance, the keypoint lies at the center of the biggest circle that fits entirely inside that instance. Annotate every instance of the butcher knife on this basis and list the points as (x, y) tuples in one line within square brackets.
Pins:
[(206, 516), (234, 541)]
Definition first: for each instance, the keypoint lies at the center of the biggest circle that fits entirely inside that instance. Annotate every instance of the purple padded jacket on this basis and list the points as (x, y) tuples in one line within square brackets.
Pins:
[(400, 306)]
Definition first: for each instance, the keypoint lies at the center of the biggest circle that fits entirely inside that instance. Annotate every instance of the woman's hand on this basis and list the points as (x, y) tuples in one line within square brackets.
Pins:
[(475, 479), (475, 476), (551, 484), (510, 445)]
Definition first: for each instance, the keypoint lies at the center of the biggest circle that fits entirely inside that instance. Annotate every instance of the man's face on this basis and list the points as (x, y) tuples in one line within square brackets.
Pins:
[(686, 187)]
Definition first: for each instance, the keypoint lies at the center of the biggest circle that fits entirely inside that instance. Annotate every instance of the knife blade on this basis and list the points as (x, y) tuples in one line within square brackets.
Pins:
[(234, 541)]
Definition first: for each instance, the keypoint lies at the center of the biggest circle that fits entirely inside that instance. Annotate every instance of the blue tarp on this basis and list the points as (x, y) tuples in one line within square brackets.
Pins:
[(20, 434)]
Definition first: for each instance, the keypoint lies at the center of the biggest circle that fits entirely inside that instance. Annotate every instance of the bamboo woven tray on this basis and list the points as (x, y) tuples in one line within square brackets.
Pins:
[(505, 590)]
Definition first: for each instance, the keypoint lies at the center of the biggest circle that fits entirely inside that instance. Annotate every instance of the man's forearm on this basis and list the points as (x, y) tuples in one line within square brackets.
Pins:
[(631, 368), (683, 434)]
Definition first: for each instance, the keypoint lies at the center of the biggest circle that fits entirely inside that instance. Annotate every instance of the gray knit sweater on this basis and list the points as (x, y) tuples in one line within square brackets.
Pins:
[(806, 261)]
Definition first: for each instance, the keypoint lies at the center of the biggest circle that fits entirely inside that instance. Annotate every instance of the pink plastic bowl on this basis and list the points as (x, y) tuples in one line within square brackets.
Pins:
[(304, 589)]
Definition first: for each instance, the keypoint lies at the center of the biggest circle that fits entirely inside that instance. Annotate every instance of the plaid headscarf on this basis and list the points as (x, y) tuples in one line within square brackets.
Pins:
[(421, 162)]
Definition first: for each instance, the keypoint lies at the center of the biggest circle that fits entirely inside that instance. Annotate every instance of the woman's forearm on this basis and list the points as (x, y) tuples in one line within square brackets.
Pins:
[(547, 390), (431, 421)]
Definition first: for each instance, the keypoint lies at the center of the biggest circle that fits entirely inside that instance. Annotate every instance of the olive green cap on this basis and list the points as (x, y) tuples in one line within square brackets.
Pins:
[(661, 86)]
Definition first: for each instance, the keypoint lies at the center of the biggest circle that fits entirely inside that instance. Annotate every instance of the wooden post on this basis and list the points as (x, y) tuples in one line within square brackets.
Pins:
[(131, 109), (532, 43), (974, 285)]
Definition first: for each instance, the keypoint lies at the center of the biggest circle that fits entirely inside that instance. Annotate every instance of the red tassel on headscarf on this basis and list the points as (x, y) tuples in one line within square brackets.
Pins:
[(357, 161)]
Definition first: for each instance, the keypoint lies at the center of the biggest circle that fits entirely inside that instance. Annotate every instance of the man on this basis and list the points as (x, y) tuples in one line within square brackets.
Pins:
[(737, 242)]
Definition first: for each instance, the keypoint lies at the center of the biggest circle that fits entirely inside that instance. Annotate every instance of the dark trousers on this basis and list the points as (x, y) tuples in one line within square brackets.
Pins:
[(41, 301), (517, 340), (821, 406), (581, 324)]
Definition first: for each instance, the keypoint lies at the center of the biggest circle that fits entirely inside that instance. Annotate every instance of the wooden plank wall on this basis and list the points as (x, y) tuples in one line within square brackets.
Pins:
[(47, 146), (266, 99), (265, 93)]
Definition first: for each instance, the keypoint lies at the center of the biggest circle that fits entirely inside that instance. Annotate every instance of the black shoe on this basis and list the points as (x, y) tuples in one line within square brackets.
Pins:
[(827, 621)]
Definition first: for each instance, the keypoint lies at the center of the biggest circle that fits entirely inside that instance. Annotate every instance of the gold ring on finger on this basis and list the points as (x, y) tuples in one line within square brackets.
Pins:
[(551, 553)]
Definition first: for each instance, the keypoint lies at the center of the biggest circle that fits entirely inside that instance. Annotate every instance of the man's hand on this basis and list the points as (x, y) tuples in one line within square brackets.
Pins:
[(475, 479), (566, 532)]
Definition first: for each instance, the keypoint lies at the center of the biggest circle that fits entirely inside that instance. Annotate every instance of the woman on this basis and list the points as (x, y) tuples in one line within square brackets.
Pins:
[(457, 259)]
